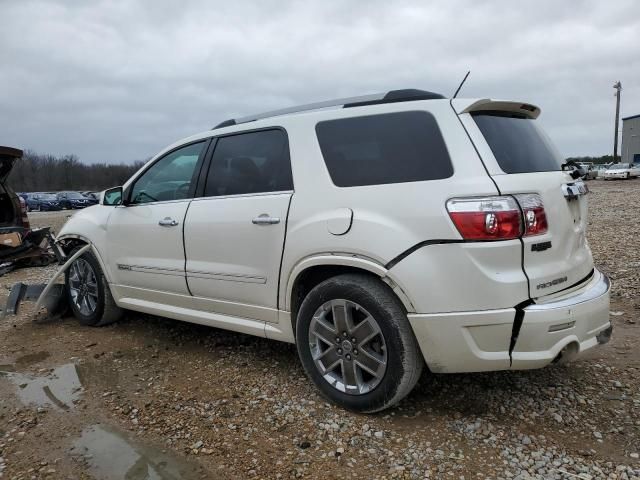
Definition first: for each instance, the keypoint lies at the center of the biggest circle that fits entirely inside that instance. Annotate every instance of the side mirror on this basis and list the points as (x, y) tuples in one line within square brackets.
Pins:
[(112, 197)]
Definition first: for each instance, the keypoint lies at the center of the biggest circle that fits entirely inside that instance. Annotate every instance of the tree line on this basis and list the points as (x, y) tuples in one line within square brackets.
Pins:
[(49, 173)]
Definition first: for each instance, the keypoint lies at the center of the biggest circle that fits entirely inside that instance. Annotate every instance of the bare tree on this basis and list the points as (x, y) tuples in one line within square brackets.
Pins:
[(43, 173)]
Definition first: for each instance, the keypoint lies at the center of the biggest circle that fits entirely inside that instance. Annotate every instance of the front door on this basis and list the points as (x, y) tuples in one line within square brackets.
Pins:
[(234, 234), (144, 236)]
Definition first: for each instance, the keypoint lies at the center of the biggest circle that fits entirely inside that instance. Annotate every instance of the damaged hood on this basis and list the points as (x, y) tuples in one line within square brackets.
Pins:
[(8, 157)]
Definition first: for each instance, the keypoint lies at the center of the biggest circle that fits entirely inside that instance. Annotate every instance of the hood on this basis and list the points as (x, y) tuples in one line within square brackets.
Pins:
[(8, 157)]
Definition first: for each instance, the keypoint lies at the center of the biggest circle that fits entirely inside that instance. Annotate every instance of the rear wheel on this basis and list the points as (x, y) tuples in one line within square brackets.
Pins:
[(355, 343), (88, 292)]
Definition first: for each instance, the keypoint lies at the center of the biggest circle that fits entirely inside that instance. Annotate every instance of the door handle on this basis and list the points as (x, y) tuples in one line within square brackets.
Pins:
[(265, 219), (168, 222)]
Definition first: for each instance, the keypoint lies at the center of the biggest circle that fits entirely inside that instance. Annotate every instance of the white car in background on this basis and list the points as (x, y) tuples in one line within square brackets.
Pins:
[(622, 170), (590, 170)]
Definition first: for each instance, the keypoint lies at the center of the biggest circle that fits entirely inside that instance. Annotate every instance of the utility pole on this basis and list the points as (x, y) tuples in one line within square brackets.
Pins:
[(618, 87)]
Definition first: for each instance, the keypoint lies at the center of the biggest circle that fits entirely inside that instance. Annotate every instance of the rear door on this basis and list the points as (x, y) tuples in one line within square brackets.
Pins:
[(521, 159), (234, 233)]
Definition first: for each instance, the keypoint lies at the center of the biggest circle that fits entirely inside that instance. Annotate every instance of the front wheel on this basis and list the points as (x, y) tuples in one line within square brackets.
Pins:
[(88, 292), (356, 344)]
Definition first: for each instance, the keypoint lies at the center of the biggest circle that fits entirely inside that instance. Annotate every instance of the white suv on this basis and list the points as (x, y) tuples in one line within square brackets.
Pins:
[(378, 234)]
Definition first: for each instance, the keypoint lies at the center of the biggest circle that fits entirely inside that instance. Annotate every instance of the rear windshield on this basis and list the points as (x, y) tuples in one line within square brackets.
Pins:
[(382, 149), (518, 144)]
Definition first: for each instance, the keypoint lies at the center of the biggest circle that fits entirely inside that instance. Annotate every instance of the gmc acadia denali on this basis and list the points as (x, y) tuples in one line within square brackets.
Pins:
[(380, 234)]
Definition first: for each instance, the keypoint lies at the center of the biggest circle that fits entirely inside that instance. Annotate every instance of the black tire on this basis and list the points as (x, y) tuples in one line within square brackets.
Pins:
[(106, 311), (404, 361)]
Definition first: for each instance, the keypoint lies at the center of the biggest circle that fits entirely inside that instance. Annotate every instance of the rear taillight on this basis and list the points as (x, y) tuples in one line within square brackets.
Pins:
[(535, 219), (499, 217), (486, 218)]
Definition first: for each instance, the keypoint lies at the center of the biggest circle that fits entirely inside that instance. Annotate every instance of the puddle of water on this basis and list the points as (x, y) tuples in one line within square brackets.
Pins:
[(110, 455), (24, 361), (60, 388), (31, 358)]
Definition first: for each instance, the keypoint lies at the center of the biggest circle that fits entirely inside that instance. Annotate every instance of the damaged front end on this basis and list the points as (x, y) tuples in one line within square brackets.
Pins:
[(50, 295)]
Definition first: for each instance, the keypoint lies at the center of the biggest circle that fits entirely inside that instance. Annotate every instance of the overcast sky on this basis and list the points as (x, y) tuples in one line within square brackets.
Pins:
[(116, 81)]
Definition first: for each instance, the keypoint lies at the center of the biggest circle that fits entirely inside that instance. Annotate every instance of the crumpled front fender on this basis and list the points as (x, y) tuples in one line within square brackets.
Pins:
[(89, 226)]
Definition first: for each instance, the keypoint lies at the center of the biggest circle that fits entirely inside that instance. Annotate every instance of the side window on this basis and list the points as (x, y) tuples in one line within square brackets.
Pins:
[(253, 162), (169, 178), (387, 148)]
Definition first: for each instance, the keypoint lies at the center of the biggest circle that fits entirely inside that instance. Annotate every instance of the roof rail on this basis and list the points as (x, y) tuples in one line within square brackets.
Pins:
[(391, 96)]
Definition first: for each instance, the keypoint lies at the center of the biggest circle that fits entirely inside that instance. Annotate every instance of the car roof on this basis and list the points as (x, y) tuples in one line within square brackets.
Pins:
[(392, 96), (321, 110)]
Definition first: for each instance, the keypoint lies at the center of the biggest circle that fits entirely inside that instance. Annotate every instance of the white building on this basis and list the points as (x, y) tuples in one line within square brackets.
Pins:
[(631, 139)]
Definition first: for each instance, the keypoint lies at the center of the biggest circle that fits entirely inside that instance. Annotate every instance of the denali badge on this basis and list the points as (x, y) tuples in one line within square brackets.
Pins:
[(555, 281), (124, 267)]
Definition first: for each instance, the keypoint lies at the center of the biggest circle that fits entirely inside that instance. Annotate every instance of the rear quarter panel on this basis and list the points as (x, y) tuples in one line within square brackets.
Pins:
[(387, 219)]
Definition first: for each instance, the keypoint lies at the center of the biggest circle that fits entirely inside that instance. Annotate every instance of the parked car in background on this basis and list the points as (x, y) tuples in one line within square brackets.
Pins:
[(590, 171), (73, 200), (622, 171), (93, 196), (43, 202), (599, 169)]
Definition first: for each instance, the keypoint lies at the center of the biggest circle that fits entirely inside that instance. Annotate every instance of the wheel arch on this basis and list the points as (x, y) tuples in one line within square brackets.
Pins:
[(69, 241), (311, 271)]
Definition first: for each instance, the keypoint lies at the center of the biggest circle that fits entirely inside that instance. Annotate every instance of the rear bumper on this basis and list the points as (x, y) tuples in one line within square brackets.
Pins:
[(479, 341)]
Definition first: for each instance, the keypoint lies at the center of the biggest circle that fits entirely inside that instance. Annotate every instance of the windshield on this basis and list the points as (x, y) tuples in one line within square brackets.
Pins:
[(518, 144), (47, 196), (619, 166)]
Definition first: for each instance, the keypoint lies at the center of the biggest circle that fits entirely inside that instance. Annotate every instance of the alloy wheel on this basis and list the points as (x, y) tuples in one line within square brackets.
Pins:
[(347, 347), (83, 287)]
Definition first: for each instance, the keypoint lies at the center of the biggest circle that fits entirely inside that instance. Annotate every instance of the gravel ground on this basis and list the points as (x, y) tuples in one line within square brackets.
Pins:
[(154, 398)]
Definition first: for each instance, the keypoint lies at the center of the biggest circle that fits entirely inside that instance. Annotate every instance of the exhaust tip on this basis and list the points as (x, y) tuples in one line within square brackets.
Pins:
[(605, 335), (567, 354)]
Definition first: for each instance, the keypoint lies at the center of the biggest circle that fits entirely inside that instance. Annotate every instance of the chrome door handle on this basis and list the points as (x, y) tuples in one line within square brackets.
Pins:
[(265, 219), (168, 222)]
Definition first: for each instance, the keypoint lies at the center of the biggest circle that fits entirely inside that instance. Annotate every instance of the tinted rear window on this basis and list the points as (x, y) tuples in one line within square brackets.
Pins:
[(518, 144), (251, 162), (381, 149)]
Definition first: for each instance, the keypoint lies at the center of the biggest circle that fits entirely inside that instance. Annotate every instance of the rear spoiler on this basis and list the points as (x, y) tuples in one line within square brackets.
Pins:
[(488, 105)]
